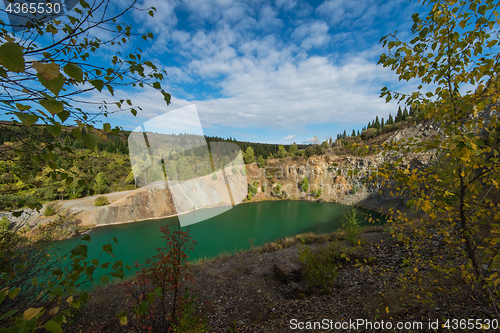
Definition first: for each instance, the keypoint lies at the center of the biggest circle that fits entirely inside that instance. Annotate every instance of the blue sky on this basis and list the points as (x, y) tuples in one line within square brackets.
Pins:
[(270, 71)]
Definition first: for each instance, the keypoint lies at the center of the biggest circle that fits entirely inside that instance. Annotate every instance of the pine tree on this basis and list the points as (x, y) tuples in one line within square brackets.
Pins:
[(412, 112), (399, 116), (353, 133), (382, 122), (377, 123), (405, 114), (344, 135), (390, 121)]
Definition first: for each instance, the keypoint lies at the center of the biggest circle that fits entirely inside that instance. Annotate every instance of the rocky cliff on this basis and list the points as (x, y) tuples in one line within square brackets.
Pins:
[(344, 179)]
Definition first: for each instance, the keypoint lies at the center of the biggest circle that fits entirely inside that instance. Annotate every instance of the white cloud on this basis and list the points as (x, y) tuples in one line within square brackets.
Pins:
[(263, 64), (343, 11), (312, 34)]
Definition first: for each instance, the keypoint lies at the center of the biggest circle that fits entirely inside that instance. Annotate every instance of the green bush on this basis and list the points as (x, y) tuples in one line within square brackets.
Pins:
[(263, 188), (318, 193), (252, 189), (352, 226), (319, 269), (277, 189), (368, 133), (51, 209), (304, 184), (249, 196), (214, 176), (101, 201)]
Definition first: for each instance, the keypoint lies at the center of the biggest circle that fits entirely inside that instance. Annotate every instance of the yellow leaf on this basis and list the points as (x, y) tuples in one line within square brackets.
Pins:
[(123, 320), (48, 71), (426, 206), (54, 311), (70, 299), (415, 269), (31, 313), (387, 309)]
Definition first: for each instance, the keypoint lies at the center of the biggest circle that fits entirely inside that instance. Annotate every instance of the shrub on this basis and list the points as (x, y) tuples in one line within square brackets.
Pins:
[(318, 193), (352, 226), (101, 201), (263, 188), (304, 184), (214, 177), (51, 209), (252, 189), (277, 189), (368, 133), (156, 289), (319, 269), (249, 196)]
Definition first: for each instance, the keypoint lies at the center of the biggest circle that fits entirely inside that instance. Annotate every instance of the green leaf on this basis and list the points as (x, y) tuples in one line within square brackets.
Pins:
[(143, 308), (98, 84), (110, 88), (3, 73), (8, 314), (80, 250), (134, 112), (106, 127), (86, 238), (22, 107), (91, 140), (90, 271), (74, 71), (14, 292), (54, 85), (108, 249), (166, 97), (27, 118), (53, 327), (55, 130), (150, 297), (53, 107), (104, 279), (157, 85), (63, 115), (49, 76), (12, 57), (76, 133), (2, 297), (34, 281)]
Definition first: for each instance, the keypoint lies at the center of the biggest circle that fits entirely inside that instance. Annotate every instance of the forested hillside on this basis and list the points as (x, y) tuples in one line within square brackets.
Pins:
[(106, 169)]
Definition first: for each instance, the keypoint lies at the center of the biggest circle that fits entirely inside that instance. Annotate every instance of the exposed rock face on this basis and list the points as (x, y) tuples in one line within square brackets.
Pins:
[(331, 178), (146, 203)]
